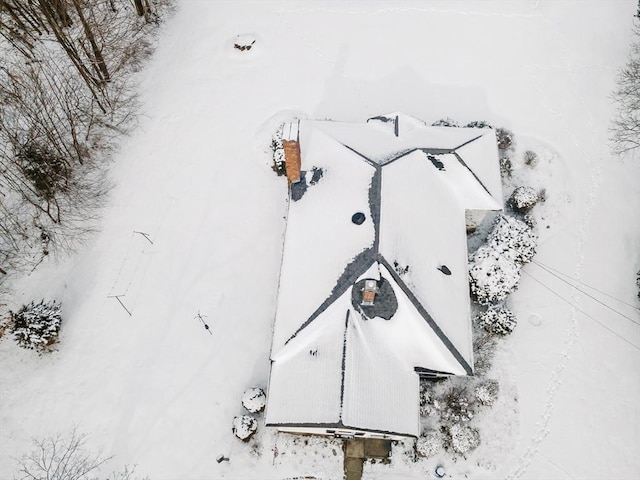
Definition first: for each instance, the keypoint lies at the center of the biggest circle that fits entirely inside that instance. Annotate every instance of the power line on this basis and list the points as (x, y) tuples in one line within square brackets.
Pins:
[(573, 286), (585, 293), (582, 311), (585, 284)]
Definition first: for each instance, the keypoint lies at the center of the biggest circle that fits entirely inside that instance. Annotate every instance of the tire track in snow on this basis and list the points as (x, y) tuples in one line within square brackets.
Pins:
[(294, 28), (388, 10), (592, 155)]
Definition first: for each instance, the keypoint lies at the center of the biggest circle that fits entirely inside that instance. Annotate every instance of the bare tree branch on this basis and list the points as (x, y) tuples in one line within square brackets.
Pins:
[(625, 126)]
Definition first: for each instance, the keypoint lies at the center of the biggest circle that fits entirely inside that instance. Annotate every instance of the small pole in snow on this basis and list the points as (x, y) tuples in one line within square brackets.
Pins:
[(117, 297), (145, 235), (199, 316)]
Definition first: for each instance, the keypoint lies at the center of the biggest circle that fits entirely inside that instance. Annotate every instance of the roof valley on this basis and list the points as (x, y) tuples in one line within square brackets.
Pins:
[(344, 363)]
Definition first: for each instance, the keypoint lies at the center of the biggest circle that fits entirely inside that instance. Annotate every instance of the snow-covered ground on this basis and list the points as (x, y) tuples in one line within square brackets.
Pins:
[(157, 389)]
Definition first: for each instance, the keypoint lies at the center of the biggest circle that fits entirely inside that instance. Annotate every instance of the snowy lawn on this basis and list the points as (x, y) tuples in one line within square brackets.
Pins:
[(158, 390)]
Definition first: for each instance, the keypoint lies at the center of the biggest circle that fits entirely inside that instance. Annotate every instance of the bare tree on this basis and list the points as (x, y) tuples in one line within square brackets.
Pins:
[(625, 129), (52, 142), (100, 38), (66, 96), (60, 458), (65, 457), (143, 8)]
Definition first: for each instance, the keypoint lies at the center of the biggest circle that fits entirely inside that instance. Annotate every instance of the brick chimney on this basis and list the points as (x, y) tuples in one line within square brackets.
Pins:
[(369, 292), (291, 146)]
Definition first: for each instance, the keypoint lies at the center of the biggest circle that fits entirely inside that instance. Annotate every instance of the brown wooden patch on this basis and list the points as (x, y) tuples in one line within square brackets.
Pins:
[(292, 160)]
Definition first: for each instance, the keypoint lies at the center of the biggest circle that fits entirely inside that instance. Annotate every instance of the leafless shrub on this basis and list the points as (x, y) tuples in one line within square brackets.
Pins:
[(542, 195), (60, 458), (530, 158), (456, 405), (484, 349), (429, 404), (5, 324)]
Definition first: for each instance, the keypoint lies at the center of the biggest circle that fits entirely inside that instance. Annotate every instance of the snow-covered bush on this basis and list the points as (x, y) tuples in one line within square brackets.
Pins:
[(254, 399), (457, 407), (461, 438), (479, 124), (505, 139), (494, 270), (487, 392), (429, 405), (244, 426), (445, 122), (278, 152), (36, 325), (523, 199), (492, 276), (530, 158), (429, 443), (506, 166), (513, 239), (497, 320), (47, 172), (530, 220)]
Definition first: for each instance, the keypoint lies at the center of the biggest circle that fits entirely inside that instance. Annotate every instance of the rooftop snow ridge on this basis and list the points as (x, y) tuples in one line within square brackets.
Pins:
[(397, 123)]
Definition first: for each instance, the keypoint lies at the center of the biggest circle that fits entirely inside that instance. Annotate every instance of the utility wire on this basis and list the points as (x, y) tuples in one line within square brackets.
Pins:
[(582, 311), (573, 286), (587, 294), (585, 284)]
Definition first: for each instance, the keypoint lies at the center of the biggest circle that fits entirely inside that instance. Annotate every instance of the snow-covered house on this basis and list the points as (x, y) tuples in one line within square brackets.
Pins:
[(373, 288)]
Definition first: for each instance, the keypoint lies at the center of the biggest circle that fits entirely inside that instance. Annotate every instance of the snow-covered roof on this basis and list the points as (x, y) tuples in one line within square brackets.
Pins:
[(332, 365)]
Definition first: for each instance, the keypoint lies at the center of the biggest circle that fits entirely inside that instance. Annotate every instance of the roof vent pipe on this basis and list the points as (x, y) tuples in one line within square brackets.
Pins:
[(444, 269)]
